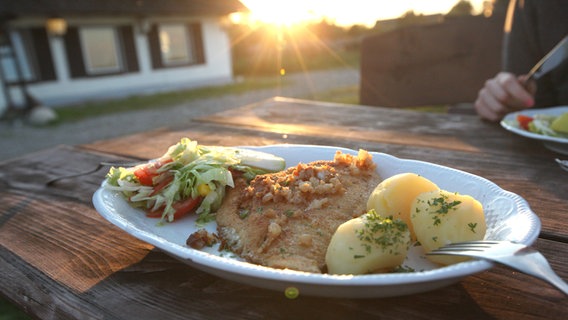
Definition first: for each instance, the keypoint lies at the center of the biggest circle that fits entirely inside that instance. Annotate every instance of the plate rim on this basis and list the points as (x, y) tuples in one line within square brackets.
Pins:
[(557, 110), (198, 258)]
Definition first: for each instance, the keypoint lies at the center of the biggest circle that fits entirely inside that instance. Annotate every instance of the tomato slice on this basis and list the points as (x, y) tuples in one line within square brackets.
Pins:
[(181, 208), (161, 185), (524, 121), (147, 173), (144, 176)]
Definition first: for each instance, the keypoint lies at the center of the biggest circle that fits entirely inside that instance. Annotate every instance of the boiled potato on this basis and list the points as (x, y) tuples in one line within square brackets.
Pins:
[(367, 244), (442, 217), (394, 196)]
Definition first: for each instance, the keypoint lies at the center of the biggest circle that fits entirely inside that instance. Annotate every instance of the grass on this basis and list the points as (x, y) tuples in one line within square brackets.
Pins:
[(252, 81), (9, 312), (160, 100), (292, 62), (347, 95), (164, 100)]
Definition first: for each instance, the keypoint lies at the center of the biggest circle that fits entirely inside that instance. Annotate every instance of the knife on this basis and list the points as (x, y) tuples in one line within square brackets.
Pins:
[(553, 59)]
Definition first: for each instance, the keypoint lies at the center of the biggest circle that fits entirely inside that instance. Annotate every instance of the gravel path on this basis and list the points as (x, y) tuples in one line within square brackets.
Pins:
[(19, 139)]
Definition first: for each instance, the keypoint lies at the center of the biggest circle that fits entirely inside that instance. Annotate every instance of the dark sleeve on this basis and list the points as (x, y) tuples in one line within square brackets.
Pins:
[(534, 28), (520, 52)]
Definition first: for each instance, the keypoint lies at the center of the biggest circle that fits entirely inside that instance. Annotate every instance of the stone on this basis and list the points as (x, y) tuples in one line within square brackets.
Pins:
[(41, 115)]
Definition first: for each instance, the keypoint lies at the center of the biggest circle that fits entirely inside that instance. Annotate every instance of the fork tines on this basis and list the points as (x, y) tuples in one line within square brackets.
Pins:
[(466, 245), (472, 244), (563, 163)]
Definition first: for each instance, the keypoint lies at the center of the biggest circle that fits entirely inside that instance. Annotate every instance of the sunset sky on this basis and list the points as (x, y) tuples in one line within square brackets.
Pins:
[(345, 12)]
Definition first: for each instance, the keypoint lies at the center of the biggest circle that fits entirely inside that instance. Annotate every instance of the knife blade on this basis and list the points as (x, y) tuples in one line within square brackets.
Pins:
[(553, 59)]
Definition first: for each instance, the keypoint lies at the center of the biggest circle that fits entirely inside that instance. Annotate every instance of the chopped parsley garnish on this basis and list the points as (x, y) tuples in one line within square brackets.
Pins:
[(381, 232), (472, 226), (443, 207)]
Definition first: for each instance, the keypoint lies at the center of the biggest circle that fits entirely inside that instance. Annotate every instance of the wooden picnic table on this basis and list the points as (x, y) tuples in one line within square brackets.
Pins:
[(60, 259)]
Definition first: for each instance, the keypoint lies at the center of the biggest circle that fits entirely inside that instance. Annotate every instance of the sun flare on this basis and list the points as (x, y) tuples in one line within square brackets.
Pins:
[(279, 37), (279, 12), (344, 12)]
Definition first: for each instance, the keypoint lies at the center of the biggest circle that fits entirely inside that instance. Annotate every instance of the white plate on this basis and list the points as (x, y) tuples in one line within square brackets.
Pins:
[(508, 216), (557, 144)]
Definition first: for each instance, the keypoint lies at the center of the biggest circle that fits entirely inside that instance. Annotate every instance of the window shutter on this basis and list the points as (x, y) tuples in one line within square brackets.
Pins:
[(130, 57), (74, 53), (196, 35), (154, 42), (45, 68)]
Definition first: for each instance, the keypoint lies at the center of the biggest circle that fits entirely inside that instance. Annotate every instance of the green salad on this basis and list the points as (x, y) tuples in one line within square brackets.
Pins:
[(188, 178), (548, 125)]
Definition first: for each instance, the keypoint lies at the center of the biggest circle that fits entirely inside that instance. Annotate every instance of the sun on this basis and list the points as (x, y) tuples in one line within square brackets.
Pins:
[(279, 12), (344, 12)]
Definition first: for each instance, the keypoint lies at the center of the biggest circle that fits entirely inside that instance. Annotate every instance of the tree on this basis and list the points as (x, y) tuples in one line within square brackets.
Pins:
[(409, 18), (462, 8)]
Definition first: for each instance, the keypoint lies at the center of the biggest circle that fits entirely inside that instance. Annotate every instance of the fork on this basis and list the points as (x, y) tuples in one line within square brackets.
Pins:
[(517, 256), (563, 164), (95, 169)]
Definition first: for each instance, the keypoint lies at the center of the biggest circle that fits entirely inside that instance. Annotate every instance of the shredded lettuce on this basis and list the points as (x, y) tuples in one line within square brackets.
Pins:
[(188, 165), (541, 125)]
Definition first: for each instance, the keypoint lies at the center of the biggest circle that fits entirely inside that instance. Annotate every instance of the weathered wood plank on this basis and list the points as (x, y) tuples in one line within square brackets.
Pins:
[(531, 176), (363, 124), (160, 286), (61, 260)]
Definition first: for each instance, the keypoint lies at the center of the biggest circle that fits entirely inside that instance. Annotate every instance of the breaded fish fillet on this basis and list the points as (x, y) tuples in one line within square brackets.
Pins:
[(286, 219)]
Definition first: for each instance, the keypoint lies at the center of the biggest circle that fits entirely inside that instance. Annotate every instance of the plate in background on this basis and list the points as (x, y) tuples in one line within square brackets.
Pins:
[(557, 144)]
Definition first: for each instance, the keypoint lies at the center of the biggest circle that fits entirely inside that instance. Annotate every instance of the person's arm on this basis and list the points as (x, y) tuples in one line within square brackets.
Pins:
[(507, 91), (502, 94)]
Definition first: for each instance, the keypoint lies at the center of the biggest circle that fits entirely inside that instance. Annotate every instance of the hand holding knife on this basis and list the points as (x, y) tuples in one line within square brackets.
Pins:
[(507, 92), (551, 61)]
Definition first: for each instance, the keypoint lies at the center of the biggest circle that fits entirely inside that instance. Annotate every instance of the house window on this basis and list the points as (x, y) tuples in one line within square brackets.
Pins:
[(175, 45), (101, 50)]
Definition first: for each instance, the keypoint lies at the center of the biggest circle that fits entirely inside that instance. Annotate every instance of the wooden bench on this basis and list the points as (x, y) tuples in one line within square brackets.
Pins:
[(437, 64)]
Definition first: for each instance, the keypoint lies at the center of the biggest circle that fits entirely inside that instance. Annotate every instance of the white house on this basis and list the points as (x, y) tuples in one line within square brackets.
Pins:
[(55, 52)]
